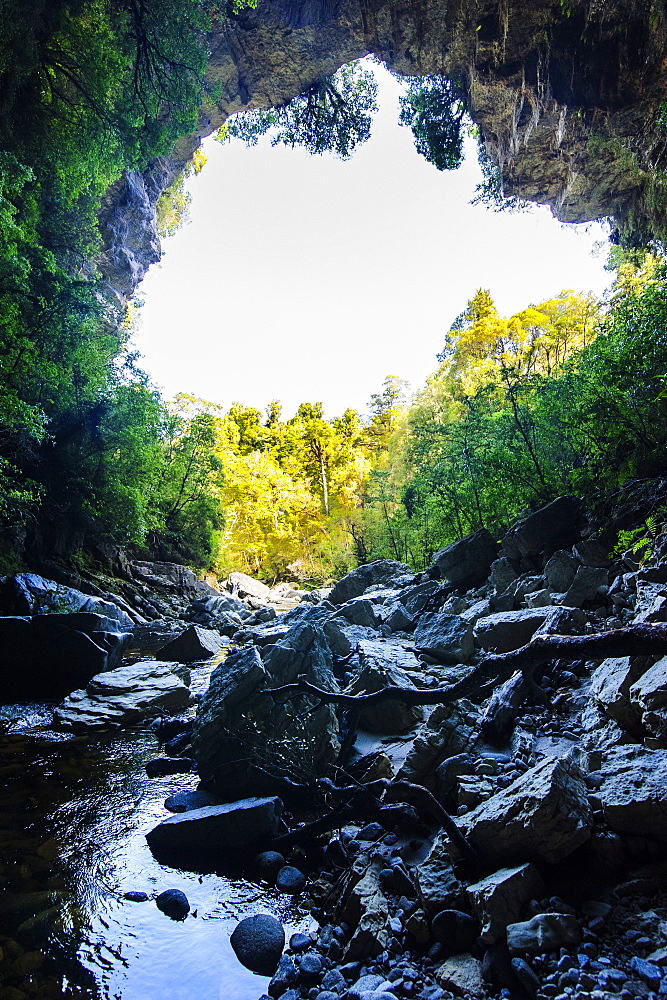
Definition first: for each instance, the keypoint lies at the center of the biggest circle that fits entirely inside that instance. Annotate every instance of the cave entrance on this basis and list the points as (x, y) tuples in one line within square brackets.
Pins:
[(305, 277)]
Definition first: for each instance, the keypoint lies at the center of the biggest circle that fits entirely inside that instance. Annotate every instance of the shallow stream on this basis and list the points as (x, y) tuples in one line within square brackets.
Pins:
[(73, 815)]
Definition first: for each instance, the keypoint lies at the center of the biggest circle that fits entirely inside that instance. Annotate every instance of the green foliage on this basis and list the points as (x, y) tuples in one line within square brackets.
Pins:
[(434, 107), (334, 115)]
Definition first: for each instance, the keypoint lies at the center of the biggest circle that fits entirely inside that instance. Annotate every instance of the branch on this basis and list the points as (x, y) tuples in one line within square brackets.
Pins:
[(636, 640)]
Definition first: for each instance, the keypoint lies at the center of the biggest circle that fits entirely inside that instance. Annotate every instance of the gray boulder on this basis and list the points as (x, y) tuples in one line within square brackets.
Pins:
[(499, 898), (467, 562), (447, 637), (560, 570), (632, 791), (508, 630), (587, 584), (610, 689), (363, 577), (172, 577), (544, 932), (124, 696), (649, 695), (415, 599), (556, 526), (502, 574), (542, 816), (651, 602), (218, 830), (195, 643), (359, 612), (397, 619)]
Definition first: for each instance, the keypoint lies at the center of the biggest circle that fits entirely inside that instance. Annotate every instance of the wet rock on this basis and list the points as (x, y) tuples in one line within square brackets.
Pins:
[(285, 976), (290, 880), (632, 792), (457, 931), (560, 570), (467, 562), (258, 943), (311, 966), (544, 932), (299, 941), (447, 637), (174, 903), (462, 974), (556, 526), (162, 766), (124, 696), (363, 577), (195, 643), (217, 830), (136, 896), (268, 864), (185, 801), (542, 816), (499, 898)]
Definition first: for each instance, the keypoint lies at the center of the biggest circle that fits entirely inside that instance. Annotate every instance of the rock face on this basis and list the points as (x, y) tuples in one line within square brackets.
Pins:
[(124, 696), (29, 595), (542, 816), (540, 77)]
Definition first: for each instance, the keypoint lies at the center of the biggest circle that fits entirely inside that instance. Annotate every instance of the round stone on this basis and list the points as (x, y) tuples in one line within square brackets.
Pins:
[(311, 967), (268, 864), (135, 896), (258, 943), (174, 903), (290, 880), (456, 930), (299, 941)]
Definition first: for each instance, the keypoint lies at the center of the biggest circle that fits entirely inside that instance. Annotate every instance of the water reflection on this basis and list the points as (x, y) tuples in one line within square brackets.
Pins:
[(73, 815)]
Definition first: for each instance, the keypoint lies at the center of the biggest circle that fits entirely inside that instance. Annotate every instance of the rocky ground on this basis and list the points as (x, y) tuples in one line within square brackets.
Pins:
[(492, 826)]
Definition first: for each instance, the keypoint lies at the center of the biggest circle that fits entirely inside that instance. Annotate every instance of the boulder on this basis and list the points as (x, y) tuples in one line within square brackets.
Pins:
[(586, 585), (451, 729), (397, 619), (591, 552), (365, 908), (508, 630), (417, 598), (649, 695), (499, 898), (447, 637), (556, 526), (205, 610), (185, 801), (467, 562), (651, 602), (363, 577), (502, 574), (195, 643), (439, 886), (542, 816), (455, 930), (632, 791), (560, 570), (242, 585), (382, 663), (544, 932), (462, 975), (124, 696), (217, 830), (359, 612), (174, 903), (610, 689), (43, 657), (258, 943), (28, 594)]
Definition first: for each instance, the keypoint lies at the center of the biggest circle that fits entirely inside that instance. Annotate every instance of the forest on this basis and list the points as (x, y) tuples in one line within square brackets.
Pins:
[(567, 395)]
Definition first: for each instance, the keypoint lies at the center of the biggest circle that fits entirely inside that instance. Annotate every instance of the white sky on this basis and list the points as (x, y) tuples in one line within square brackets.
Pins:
[(305, 278)]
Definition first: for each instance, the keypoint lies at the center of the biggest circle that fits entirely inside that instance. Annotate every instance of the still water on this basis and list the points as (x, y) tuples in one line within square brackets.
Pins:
[(73, 815)]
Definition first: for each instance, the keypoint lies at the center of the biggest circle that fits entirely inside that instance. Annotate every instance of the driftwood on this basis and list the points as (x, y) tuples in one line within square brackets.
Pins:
[(636, 640), (384, 800)]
